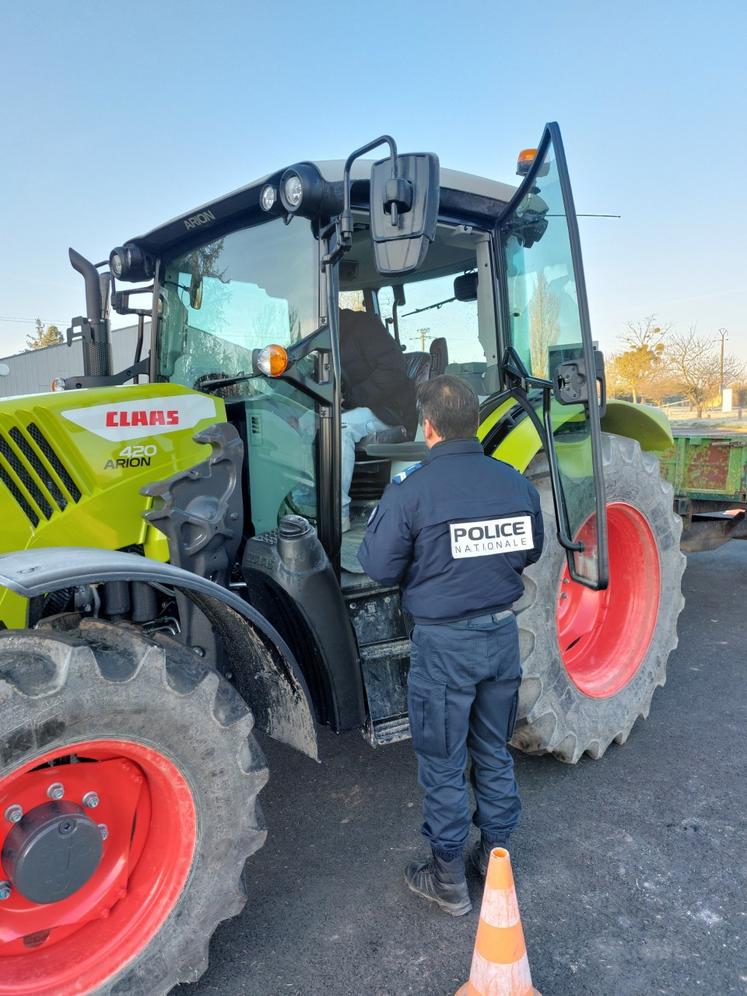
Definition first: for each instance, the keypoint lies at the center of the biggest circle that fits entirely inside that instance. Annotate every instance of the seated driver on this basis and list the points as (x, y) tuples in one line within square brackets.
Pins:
[(377, 394)]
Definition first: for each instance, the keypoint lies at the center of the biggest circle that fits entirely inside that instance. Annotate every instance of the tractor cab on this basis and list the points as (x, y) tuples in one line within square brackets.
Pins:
[(469, 276)]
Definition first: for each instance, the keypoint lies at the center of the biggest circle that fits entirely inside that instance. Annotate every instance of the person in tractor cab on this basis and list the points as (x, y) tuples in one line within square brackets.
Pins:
[(456, 533), (377, 394)]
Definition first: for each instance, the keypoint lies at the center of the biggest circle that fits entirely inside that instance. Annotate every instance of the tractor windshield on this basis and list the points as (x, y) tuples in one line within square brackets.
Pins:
[(241, 292)]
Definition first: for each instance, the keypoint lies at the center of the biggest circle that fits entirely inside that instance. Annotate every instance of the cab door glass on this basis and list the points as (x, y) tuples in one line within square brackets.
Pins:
[(548, 324)]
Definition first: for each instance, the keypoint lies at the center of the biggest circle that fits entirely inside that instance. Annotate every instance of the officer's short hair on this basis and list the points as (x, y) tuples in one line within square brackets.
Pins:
[(450, 405)]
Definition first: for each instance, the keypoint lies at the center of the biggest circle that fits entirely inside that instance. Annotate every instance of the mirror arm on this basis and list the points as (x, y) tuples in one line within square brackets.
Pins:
[(344, 224)]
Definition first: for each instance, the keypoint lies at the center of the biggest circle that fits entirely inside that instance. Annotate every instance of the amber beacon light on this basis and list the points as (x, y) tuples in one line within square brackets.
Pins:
[(524, 161)]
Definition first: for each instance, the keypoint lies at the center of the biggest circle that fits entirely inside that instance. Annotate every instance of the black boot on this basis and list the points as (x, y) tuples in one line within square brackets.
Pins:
[(442, 881), (479, 856)]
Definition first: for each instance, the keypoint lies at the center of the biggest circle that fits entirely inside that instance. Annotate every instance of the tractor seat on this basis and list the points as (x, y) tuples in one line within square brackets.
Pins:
[(394, 434), (418, 366), (439, 357)]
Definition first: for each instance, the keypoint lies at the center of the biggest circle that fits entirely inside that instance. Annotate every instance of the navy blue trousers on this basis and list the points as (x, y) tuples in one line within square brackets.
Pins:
[(462, 694)]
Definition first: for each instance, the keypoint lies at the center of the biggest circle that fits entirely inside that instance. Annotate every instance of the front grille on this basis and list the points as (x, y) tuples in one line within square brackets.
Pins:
[(34, 474), (59, 468), (19, 497), (22, 473), (41, 471)]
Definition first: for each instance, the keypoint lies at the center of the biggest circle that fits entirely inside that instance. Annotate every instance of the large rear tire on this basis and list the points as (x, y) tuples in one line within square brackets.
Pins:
[(139, 738), (592, 660)]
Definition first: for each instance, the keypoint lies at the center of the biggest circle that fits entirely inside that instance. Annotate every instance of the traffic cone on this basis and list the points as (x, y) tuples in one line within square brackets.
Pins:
[(499, 964)]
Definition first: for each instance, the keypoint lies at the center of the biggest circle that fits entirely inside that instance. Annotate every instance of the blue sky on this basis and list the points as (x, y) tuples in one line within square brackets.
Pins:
[(119, 116)]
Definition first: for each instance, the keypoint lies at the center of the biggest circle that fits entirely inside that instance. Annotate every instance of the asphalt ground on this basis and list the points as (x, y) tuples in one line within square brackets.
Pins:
[(630, 870)]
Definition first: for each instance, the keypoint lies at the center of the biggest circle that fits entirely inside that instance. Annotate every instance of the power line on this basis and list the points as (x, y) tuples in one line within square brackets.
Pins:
[(28, 321)]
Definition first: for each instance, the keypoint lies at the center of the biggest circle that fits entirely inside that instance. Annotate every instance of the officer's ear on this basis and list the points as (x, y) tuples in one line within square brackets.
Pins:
[(429, 433)]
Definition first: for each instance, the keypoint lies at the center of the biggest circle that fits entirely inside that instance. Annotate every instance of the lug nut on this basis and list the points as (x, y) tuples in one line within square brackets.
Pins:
[(56, 790), (103, 830), (14, 814), (90, 800), (5, 890)]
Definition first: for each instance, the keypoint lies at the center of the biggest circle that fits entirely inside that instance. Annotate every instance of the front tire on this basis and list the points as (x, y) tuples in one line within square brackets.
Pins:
[(147, 742), (592, 660)]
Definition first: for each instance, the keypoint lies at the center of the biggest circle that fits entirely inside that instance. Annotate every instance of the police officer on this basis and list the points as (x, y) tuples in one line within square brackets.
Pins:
[(456, 533)]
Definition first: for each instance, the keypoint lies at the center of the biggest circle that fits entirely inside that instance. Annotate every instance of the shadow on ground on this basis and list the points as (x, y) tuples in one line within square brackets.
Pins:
[(630, 869)]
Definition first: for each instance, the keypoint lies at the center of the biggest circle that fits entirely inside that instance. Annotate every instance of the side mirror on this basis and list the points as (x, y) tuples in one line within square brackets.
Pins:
[(404, 199), (465, 287), (195, 292)]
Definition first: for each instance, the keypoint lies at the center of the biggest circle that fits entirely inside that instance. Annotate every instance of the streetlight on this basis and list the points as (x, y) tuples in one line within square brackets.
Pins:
[(724, 336)]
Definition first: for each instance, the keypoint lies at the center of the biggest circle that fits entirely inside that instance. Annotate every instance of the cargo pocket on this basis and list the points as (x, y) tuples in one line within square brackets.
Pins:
[(512, 716), (426, 704)]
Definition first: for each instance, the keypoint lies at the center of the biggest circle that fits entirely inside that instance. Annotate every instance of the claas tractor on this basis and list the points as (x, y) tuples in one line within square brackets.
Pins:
[(174, 570)]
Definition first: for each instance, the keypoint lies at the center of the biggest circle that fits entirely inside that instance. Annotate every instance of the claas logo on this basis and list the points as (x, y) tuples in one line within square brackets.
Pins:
[(153, 416)]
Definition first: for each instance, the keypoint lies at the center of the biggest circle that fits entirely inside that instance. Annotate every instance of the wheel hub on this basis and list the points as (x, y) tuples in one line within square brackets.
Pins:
[(52, 852)]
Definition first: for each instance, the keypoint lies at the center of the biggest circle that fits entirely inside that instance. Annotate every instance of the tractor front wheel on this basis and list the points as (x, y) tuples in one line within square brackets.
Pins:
[(128, 785), (592, 660)]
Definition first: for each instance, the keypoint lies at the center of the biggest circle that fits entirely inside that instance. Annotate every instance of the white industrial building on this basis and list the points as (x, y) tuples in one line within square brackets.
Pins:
[(32, 372)]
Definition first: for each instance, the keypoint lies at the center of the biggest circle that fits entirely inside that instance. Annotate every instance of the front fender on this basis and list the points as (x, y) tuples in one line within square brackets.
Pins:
[(650, 426), (517, 441), (266, 672)]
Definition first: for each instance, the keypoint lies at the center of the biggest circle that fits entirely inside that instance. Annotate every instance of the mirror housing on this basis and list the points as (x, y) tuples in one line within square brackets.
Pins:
[(465, 287), (404, 200)]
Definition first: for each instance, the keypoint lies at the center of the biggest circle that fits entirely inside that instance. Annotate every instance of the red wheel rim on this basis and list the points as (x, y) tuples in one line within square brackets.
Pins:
[(145, 803), (604, 635)]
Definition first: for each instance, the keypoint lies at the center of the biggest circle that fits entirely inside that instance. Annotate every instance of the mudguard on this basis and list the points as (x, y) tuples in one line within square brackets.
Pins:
[(508, 435), (265, 670)]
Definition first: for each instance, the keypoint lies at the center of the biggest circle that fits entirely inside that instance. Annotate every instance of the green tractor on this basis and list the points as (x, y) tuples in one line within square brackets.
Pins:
[(174, 570)]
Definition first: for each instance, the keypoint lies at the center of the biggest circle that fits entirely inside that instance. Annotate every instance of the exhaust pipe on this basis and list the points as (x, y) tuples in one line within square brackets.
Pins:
[(94, 331)]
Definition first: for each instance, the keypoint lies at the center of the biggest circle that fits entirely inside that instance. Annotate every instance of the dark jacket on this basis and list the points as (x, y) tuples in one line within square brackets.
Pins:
[(373, 371), (456, 532)]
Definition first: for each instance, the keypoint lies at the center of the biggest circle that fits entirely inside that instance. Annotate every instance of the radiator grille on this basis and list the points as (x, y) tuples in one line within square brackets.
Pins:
[(59, 468), (34, 474)]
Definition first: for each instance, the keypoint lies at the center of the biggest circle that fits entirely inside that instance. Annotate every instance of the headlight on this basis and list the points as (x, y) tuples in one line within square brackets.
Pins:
[(131, 263), (292, 192), (58, 384), (116, 264), (268, 197)]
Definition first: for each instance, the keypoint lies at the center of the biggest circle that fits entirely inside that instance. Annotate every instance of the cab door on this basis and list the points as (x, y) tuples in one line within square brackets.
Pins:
[(550, 358)]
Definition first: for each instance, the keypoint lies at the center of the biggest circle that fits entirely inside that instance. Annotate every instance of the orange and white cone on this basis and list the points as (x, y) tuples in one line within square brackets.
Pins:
[(499, 964)]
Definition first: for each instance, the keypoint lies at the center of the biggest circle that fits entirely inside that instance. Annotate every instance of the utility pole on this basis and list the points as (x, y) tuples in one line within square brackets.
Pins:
[(423, 334), (724, 335)]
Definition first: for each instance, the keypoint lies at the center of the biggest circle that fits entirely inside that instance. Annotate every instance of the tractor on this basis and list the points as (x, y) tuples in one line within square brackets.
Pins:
[(174, 570)]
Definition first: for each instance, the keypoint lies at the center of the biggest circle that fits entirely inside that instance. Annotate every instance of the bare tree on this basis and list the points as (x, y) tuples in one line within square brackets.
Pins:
[(694, 363), (639, 370), (646, 333), (544, 325), (41, 336)]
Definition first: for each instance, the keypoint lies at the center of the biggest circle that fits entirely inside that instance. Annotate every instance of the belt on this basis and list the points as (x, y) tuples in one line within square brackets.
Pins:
[(486, 615)]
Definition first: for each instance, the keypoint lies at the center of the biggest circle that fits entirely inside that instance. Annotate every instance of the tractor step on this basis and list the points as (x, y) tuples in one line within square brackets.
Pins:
[(384, 648)]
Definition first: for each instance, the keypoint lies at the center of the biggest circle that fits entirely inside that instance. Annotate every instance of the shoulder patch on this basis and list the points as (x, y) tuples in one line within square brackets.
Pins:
[(403, 475)]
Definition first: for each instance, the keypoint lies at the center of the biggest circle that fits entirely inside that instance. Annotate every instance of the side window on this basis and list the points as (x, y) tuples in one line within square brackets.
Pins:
[(439, 320)]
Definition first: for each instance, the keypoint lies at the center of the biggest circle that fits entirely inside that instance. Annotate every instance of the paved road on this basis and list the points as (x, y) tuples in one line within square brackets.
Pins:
[(630, 870)]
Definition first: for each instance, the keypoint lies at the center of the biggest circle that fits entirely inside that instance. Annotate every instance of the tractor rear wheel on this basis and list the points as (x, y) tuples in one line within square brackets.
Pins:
[(592, 660), (128, 785)]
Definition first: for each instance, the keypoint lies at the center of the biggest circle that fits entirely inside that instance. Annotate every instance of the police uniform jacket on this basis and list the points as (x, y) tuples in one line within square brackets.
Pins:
[(455, 532)]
